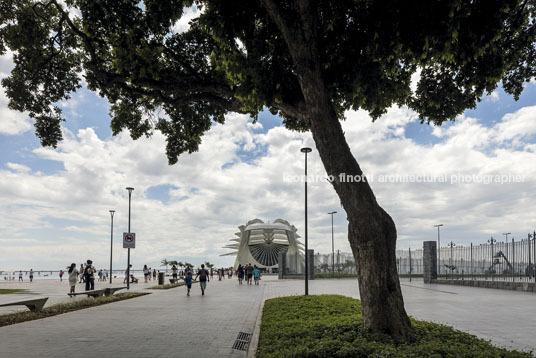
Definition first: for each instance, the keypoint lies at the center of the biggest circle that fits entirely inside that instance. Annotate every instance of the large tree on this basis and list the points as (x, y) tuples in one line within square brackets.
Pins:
[(305, 60)]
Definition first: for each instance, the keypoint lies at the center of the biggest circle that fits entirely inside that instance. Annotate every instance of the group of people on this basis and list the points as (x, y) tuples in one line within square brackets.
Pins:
[(248, 272), (148, 273), (86, 274)]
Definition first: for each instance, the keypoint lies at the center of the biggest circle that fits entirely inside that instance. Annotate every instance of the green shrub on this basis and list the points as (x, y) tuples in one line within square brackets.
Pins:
[(332, 326), (6, 291)]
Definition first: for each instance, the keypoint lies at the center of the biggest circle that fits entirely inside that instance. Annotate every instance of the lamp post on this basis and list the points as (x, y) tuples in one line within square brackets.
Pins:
[(112, 212), (306, 150), (438, 250), (128, 250), (332, 245), (506, 234)]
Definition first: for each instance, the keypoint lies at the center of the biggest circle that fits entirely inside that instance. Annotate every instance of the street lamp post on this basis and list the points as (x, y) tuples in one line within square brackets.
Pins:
[(438, 250), (306, 150), (332, 245), (128, 250), (112, 212), (506, 234)]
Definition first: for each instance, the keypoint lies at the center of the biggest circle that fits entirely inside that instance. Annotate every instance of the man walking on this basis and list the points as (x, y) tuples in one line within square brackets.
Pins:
[(89, 273), (249, 271), (203, 278)]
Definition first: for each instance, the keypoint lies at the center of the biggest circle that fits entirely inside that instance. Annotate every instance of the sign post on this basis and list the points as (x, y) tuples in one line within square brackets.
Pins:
[(129, 240)]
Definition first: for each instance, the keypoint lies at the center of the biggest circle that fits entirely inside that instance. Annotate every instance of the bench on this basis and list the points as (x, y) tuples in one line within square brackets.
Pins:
[(111, 290), (34, 305), (92, 293)]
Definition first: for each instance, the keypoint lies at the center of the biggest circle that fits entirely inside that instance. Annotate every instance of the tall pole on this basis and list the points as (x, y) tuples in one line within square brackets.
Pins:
[(332, 245), (306, 150), (111, 242), (438, 250), (128, 250)]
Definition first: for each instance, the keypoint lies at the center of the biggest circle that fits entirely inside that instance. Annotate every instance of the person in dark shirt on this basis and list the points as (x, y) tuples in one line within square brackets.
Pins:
[(188, 280), (249, 273), (203, 278)]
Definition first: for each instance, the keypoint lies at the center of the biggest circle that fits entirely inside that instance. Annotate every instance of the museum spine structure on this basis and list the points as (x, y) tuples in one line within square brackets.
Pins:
[(261, 244)]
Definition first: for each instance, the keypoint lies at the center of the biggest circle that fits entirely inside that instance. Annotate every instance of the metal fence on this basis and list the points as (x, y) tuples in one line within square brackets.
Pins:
[(409, 262), (510, 260)]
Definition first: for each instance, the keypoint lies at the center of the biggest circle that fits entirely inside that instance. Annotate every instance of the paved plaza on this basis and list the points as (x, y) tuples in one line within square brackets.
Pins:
[(167, 323)]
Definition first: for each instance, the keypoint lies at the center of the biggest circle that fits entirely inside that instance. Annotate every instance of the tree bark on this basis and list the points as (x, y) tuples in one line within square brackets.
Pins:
[(371, 231)]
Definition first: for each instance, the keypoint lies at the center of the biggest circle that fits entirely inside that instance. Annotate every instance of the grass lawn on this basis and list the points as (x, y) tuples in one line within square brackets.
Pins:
[(332, 326), (6, 291), (59, 308)]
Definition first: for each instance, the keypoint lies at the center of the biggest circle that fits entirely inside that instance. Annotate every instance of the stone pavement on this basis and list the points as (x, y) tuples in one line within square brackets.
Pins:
[(169, 324)]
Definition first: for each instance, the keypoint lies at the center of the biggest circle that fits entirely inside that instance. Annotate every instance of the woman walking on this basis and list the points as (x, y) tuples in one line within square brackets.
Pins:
[(81, 273), (145, 273), (73, 276), (240, 274)]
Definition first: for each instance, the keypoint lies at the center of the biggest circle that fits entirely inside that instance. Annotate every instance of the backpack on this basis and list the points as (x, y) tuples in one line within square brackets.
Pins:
[(203, 275), (88, 271)]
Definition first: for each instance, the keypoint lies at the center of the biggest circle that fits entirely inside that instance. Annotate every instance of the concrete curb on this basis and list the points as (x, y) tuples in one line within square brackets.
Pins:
[(254, 343)]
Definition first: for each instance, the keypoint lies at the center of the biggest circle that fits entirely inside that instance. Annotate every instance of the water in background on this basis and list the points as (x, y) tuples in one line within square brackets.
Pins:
[(6, 276)]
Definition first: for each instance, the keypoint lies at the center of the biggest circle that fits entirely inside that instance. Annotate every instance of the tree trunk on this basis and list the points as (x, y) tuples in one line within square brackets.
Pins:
[(371, 231)]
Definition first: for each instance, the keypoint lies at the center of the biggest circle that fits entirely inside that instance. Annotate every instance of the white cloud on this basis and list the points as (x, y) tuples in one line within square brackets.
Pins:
[(226, 183), (493, 96), (183, 24), (11, 122)]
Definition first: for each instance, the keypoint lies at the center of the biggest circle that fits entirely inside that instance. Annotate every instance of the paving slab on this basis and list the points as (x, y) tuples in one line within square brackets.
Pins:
[(167, 323)]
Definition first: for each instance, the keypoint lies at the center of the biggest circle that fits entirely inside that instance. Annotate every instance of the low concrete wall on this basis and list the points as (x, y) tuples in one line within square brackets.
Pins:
[(502, 285), (292, 277)]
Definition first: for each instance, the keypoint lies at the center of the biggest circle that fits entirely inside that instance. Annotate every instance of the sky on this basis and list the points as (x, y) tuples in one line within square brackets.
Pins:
[(479, 178)]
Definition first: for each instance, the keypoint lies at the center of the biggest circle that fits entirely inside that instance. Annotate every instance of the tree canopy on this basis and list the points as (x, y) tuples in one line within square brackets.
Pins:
[(234, 57)]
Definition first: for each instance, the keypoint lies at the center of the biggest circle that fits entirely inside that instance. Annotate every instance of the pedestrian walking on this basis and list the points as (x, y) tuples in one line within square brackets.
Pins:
[(150, 273), (31, 275), (240, 274), (73, 277), (20, 276), (174, 273), (256, 275), (61, 275), (249, 272), (81, 273), (89, 276), (154, 274), (203, 278), (126, 275), (188, 280), (145, 273)]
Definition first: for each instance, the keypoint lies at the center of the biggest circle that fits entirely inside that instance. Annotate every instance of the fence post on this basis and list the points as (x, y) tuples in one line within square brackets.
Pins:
[(530, 262), (429, 261), (409, 264), (472, 267), (513, 262)]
